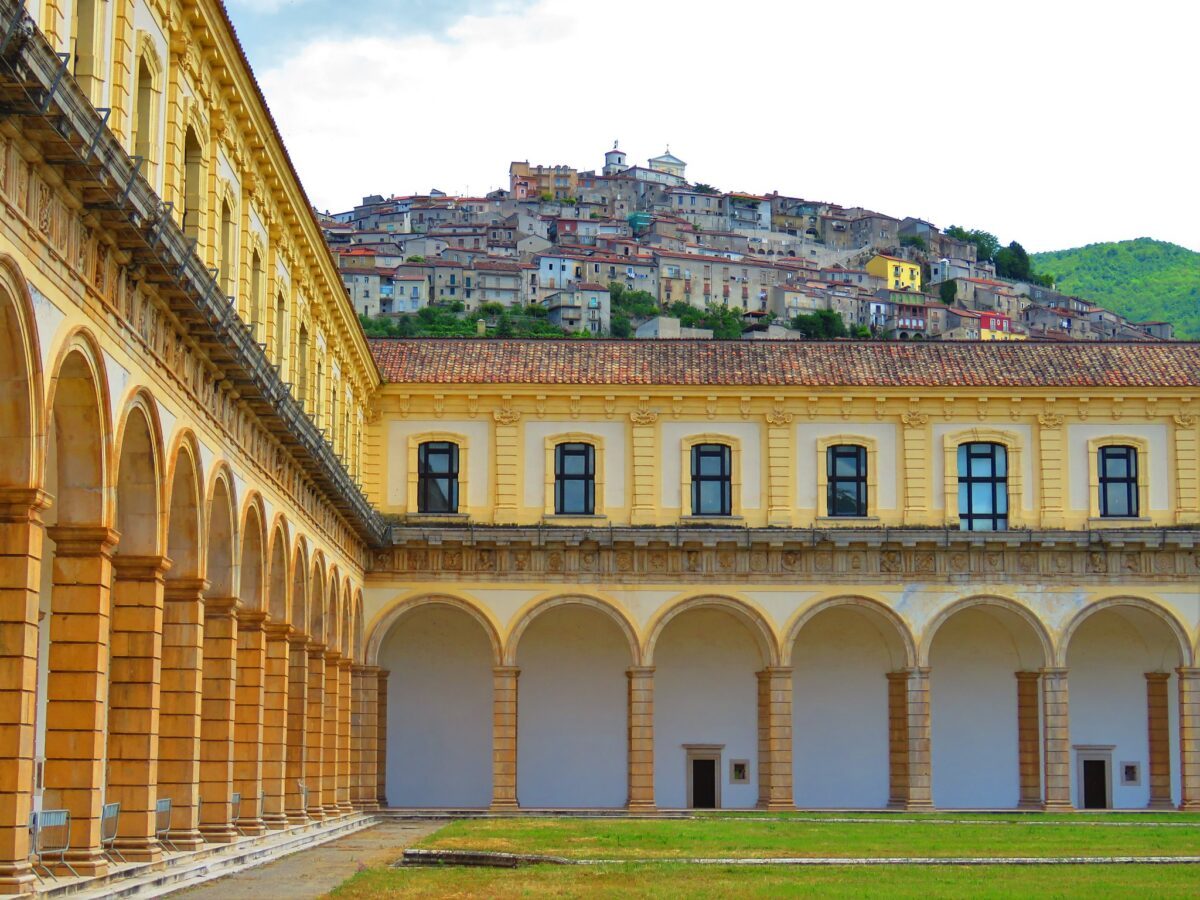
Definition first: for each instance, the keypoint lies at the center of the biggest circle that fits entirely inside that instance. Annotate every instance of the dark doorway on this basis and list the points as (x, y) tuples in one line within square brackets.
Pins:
[(1095, 784), (704, 784)]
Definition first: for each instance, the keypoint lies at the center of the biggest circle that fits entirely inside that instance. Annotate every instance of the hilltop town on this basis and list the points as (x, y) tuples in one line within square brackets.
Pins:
[(640, 251)]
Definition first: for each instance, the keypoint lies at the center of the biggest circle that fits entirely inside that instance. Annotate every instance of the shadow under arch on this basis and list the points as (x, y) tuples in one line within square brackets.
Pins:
[(184, 523), (986, 602), (1154, 608), (755, 622), (588, 601), (871, 608), (386, 619), (22, 414)]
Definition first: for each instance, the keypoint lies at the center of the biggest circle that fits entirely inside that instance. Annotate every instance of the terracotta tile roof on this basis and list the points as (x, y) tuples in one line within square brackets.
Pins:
[(788, 363)]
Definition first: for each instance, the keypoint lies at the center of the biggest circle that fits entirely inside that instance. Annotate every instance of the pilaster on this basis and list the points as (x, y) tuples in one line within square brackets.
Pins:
[(381, 737), (295, 768), (275, 725), (329, 741), (775, 738), (507, 465), (344, 766), (218, 719), (249, 715), (916, 451), (780, 468), (920, 762), (1056, 737), (1053, 468), (504, 737), (1029, 751), (1158, 724), (641, 738), (180, 699), (1189, 737), (363, 728), (1187, 470), (315, 732), (645, 467), (897, 687)]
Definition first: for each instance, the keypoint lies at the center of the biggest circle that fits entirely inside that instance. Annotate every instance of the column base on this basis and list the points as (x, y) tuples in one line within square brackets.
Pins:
[(17, 878), (275, 821), (503, 806), (252, 827), (1164, 803), (219, 834), (345, 807), (140, 849), (1058, 806), (366, 805), (641, 806), (1031, 805), (918, 806), (88, 863), (297, 818), (316, 814), (781, 806), (1190, 805), (189, 839), (331, 810)]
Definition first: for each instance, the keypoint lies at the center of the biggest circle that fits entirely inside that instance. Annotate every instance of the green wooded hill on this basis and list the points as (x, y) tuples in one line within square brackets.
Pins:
[(1142, 279)]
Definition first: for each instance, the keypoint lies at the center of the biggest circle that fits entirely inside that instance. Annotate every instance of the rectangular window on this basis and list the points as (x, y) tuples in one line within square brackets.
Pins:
[(847, 474), (437, 477), (574, 480), (712, 483), (983, 487), (1118, 482)]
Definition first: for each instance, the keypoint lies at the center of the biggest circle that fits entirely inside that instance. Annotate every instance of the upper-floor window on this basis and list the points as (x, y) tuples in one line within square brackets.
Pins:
[(437, 477), (574, 479), (712, 480), (1118, 482), (846, 470), (983, 487)]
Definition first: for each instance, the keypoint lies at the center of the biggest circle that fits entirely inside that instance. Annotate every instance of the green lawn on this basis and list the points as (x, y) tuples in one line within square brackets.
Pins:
[(675, 880), (631, 839)]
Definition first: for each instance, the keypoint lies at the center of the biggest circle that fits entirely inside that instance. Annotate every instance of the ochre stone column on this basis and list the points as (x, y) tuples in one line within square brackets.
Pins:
[(1189, 737), (135, 673), (897, 683), (343, 762), (248, 728), (775, 738), (329, 743), (275, 725), (364, 725), (180, 707), (381, 730), (1029, 749), (315, 736), (297, 729), (21, 539), (920, 762), (504, 737), (1056, 735), (218, 718), (1158, 722), (77, 688), (641, 738)]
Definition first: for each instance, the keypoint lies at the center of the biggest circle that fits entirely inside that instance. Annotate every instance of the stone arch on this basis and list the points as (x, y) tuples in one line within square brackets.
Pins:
[(873, 609), (253, 556), (605, 607), (22, 431), (392, 614), (277, 576), (139, 483), (1154, 608), (333, 610), (185, 533), (317, 624), (347, 619), (754, 620), (222, 544), (298, 608), (994, 602), (358, 627), (78, 409)]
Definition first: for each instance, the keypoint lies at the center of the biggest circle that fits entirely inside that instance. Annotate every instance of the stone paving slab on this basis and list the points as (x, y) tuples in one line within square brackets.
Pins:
[(313, 873)]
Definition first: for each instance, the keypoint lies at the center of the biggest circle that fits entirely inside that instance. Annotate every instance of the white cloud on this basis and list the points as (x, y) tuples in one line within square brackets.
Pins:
[(1053, 124)]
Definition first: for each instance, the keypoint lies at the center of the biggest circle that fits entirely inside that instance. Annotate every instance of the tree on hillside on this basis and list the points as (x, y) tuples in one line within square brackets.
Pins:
[(948, 292), (1013, 262), (701, 188), (986, 243), (822, 325)]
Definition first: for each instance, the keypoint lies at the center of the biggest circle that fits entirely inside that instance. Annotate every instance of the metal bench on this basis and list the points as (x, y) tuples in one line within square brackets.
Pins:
[(51, 833), (162, 823), (110, 817)]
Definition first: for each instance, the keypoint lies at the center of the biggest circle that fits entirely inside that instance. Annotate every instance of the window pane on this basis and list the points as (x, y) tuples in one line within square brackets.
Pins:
[(710, 498), (962, 460), (846, 502), (1002, 498), (1001, 461), (437, 495), (572, 464), (981, 498), (981, 465), (573, 496), (710, 463), (1117, 499), (847, 464), (1114, 463)]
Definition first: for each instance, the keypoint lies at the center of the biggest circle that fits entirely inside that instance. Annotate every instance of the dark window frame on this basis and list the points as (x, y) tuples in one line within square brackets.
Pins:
[(724, 476), (997, 518), (562, 452), (428, 478), (857, 481), (1129, 480)]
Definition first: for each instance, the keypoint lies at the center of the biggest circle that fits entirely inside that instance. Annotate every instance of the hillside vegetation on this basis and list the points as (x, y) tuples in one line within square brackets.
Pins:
[(1142, 279)]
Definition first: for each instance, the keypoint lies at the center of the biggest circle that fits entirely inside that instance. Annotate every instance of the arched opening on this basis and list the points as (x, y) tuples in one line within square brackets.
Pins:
[(572, 710), (87, 61), (145, 121), (980, 716), (297, 711), (17, 426), (315, 705), (280, 331), (1124, 707), (302, 365), (277, 579), (841, 658), (228, 236), (256, 296), (439, 708), (250, 676), (706, 710), (193, 162)]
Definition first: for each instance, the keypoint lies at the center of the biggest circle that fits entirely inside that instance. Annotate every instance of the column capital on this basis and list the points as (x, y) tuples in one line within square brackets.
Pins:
[(1188, 671), (315, 650), (369, 671), (251, 620), (768, 671), (221, 607), (1055, 671), (346, 662), (640, 671), (185, 590), (1027, 675), (298, 640), (278, 630), (141, 568), (332, 656), (21, 504), (83, 540), (1157, 676), (514, 671)]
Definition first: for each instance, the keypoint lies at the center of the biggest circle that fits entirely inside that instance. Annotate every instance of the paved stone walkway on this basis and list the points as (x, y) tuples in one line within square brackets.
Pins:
[(313, 873)]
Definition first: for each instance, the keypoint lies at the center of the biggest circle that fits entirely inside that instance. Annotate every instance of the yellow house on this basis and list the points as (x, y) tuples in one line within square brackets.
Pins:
[(897, 274)]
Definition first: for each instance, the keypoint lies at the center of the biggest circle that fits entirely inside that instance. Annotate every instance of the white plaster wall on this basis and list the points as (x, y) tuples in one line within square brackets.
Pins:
[(937, 453), (479, 455), (749, 434), (705, 692), (439, 726), (1157, 468), (973, 698), (572, 698), (808, 466), (840, 712), (1108, 658), (615, 453)]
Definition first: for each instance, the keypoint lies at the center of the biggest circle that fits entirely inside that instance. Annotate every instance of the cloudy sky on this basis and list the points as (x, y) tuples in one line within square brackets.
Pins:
[(1056, 123)]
